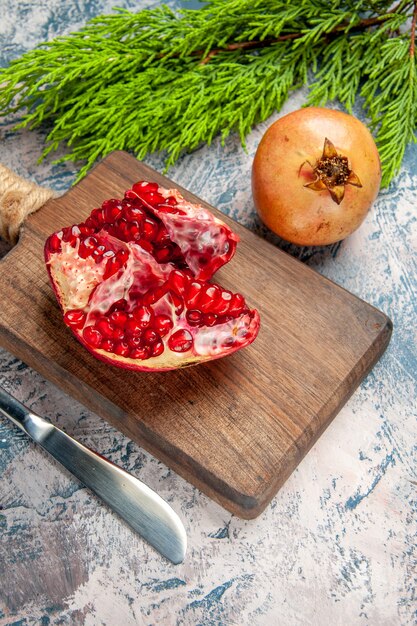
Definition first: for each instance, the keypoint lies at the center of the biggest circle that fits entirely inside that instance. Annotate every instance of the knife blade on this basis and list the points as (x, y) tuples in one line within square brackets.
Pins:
[(143, 509)]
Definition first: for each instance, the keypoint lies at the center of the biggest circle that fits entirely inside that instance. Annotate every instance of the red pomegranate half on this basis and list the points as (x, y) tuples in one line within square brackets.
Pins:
[(132, 282)]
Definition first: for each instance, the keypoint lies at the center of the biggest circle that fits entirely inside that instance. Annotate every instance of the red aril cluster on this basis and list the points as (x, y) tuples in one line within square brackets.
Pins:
[(131, 328), (132, 282)]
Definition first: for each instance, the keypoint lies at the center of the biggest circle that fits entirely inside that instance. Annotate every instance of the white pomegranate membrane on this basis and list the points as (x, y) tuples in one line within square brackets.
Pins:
[(132, 282)]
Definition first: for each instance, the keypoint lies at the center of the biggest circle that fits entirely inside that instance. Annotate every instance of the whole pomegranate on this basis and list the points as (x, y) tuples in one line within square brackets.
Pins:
[(315, 174), (132, 282)]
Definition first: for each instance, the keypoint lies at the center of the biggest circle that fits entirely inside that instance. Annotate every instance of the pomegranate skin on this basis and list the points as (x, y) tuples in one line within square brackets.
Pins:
[(284, 164)]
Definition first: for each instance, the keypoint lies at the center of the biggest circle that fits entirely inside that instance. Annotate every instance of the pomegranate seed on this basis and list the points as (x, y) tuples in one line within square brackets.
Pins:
[(162, 236), (69, 237), (237, 304), (135, 341), (75, 318), (158, 348), (177, 301), (123, 229), (118, 334), (133, 213), (170, 200), (118, 318), (222, 305), (152, 198), (112, 230), (87, 246), (97, 254), (54, 243), (112, 267), (107, 345), (210, 319), (180, 341), (193, 293), (83, 252), (91, 223), (194, 317), (153, 295), (85, 230), (135, 231), (105, 327), (140, 353), (163, 324), (98, 217), (145, 245), (148, 297), (149, 229), (66, 234), (133, 327), (119, 305), (109, 254), (111, 210), (91, 243), (122, 348), (209, 297), (178, 282), (163, 255), (141, 186), (142, 316), (92, 336), (150, 336)]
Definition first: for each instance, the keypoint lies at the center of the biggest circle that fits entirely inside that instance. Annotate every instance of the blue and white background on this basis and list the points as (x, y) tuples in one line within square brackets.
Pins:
[(336, 546)]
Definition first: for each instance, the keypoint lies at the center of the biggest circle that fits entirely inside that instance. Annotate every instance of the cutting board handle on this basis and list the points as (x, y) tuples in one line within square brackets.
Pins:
[(18, 198)]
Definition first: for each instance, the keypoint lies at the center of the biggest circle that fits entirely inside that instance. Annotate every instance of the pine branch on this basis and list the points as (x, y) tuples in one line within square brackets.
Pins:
[(391, 98), (165, 80)]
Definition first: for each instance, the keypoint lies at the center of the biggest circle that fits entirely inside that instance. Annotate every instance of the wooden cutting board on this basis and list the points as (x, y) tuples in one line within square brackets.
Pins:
[(236, 427)]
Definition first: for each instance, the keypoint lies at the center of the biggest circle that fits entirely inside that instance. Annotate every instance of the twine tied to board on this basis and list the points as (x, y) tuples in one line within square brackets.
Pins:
[(18, 199)]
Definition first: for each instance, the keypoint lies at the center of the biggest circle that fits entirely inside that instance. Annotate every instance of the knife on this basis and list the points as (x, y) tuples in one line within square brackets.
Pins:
[(137, 504)]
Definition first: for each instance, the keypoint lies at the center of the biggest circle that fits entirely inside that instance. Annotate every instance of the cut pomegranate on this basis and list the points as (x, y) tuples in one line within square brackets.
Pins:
[(132, 282)]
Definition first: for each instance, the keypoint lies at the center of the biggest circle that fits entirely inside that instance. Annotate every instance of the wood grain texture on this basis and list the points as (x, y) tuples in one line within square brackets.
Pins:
[(236, 427)]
